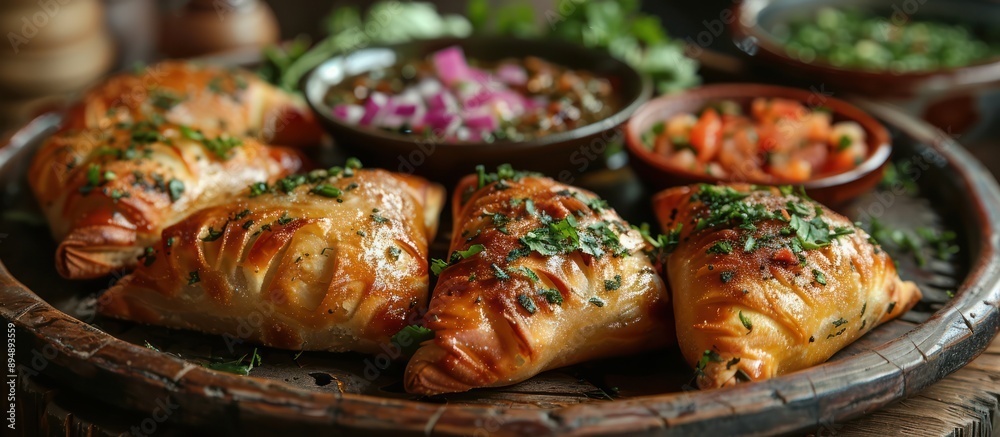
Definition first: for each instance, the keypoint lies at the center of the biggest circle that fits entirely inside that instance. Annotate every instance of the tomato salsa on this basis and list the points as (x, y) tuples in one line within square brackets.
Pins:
[(779, 140)]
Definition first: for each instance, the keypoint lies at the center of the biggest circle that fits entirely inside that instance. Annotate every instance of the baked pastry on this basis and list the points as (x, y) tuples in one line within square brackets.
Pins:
[(541, 275), (330, 261), (766, 282), (211, 99), (108, 193)]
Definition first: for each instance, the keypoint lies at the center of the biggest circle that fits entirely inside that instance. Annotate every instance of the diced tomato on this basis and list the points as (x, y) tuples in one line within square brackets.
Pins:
[(707, 134), (784, 255)]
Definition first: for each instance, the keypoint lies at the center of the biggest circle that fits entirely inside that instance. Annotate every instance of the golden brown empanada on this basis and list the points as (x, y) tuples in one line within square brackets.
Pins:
[(208, 98), (321, 262), (541, 275), (765, 282), (108, 194)]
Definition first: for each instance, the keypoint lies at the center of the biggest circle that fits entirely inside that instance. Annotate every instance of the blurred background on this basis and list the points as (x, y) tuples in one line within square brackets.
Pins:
[(56, 48)]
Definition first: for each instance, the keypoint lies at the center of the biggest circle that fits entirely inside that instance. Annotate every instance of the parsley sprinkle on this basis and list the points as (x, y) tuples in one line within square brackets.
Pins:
[(438, 265), (747, 323), (394, 252), (258, 188), (596, 301), (551, 295), (170, 241), (726, 276), (820, 278), (247, 224), (284, 219), (838, 322), (499, 273), (378, 219), (191, 134), (213, 234), (721, 248), (176, 188), (524, 271), (193, 278), (611, 285), (892, 306), (706, 357), (222, 146), (527, 303), (750, 245)]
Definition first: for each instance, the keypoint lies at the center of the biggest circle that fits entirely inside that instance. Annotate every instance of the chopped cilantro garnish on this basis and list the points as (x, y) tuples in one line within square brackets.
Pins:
[(213, 234), (524, 271), (437, 265), (613, 284), (499, 273), (410, 337), (175, 188), (721, 247), (527, 303), (551, 295), (747, 323), (706, 357), (193, 277), (258, 188), (378, 219), (820, 277), (284, 219)]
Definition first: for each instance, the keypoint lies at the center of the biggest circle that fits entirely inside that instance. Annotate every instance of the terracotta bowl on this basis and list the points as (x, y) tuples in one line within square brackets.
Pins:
[(658, 173), (571, 151), (754, 19)]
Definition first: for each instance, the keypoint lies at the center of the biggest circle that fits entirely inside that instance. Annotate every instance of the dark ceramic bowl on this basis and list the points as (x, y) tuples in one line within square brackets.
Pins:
[(556, 154), (658, 173), (755, 19)]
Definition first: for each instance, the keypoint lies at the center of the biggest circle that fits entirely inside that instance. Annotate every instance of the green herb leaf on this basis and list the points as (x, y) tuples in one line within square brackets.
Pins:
[(411, 337), (258, 188), (551, 295), (820, 277), (611, 285), (175, 188), (326, 190), (721, 247), (747, 323), (527, 303), (524, 271)]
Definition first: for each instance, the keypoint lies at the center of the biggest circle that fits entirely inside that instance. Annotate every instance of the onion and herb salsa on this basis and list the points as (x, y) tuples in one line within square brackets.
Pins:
[(449, 98), (780, 141)]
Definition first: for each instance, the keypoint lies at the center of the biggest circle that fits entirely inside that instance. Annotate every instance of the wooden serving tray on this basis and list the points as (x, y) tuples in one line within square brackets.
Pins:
[(107, 361)]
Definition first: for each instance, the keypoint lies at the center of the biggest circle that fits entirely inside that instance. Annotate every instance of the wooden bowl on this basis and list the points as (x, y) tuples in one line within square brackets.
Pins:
[(562, 154), (658, 173)]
